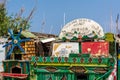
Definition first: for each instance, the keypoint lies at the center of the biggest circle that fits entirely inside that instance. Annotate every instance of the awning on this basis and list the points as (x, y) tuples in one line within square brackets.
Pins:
[(47, 40), (14, 75)]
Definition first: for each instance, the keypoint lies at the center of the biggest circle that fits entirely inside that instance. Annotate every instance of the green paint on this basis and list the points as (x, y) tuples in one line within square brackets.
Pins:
[(118, 72), (65, 68), (91, 76)]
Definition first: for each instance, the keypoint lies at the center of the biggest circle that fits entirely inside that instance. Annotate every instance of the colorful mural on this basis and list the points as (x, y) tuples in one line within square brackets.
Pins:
[(64, 49), (96, 48)]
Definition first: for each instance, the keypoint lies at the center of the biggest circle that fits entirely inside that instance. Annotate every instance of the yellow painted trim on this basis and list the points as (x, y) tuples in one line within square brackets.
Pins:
[(119, 56), (68, 64)]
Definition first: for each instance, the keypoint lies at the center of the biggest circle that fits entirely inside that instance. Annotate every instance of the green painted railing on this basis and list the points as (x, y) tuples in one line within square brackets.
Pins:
[(76, 61)]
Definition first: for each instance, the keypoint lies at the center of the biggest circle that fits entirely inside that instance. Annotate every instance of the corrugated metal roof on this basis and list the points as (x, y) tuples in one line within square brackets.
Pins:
[(44, 35), (28, 34)]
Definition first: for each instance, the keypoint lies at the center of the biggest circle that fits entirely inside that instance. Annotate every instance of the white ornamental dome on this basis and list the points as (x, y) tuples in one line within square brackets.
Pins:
[(81, 27)]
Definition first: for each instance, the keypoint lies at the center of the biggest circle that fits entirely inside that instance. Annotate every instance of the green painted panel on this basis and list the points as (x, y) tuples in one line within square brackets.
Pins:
[(105, 60), (73, 76), (42, 70), (56, 59), (92, 77), (48, 59), (119, 72), (39, 76), (77, 60), (63, 71), (86, 60), (40, 59), (73, 55), (70, 59), (95, 60), (69, 77), (63, 67), (55, 76), (33, 59), (62, 59)]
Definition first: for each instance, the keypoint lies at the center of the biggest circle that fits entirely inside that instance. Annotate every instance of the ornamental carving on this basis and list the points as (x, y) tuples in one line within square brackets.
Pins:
[(100, 70), (51, 69), (77, 69), (44, 59), (66, 59), (81, 27)]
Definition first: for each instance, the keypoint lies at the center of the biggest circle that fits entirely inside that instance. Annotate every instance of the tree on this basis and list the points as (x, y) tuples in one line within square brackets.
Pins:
[(13, 22), (4, 20)]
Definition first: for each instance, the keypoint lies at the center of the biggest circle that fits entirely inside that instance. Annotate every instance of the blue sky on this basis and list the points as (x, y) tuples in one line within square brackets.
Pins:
[(52, 12)]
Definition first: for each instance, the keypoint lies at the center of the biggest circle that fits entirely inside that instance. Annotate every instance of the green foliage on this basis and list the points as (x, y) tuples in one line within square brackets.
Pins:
[(17, 23), (109, 37), (11, 22), (4, 21)]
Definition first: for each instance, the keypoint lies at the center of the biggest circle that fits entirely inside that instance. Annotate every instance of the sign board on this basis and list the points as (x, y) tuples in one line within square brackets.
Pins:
[(95, 48), (63, 49), (81, 27)]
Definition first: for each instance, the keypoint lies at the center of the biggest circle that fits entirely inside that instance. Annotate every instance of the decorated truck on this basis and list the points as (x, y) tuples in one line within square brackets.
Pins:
[(82, 51)]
